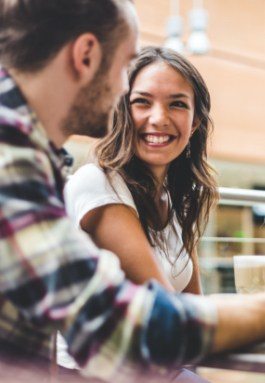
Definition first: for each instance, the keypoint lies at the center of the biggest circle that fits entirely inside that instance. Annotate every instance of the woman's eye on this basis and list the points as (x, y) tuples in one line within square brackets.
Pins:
[(179, 104), (139, 100)]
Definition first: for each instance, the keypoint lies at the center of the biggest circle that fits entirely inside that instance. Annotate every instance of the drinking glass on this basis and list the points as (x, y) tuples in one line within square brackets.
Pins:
[(249, 273)]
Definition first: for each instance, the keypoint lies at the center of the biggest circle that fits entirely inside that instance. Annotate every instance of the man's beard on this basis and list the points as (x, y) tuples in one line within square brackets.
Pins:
[(89, 115)]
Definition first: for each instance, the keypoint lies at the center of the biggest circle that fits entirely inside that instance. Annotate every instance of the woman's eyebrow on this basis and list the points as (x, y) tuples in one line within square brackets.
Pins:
[(171, 96), (146, 94), (179, 95)]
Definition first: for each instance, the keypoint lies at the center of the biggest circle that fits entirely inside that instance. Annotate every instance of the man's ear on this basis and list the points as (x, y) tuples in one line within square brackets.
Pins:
[(86, 57)]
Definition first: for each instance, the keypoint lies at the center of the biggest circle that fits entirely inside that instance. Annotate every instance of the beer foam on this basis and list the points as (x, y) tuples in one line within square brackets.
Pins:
[(249, 260)]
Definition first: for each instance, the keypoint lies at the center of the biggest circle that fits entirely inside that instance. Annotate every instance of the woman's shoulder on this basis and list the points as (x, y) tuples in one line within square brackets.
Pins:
[(90, 170), (92, 177), (91, 186)]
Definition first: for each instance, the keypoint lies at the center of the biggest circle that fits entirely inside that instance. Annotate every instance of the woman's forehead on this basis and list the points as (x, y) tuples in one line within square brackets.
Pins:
[(160, 76)]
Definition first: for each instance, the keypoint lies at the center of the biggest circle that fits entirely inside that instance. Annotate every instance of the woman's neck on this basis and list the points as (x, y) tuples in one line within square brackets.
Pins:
[(162, 202), (159, 174)]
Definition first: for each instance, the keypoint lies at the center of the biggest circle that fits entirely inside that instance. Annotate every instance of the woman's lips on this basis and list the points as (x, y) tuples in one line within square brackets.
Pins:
[(157, 139)]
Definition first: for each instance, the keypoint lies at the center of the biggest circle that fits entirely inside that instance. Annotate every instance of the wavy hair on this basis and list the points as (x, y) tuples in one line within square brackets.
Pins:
[(189, 182)]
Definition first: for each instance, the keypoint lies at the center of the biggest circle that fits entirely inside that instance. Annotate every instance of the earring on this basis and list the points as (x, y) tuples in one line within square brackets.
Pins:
[(188, 151)]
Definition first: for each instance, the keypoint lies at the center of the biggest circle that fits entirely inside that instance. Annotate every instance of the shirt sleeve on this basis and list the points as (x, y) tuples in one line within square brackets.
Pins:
[(55, 277), (90, 188)]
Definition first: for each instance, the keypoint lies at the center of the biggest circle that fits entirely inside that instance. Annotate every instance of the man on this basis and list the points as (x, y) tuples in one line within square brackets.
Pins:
[(64, 66)]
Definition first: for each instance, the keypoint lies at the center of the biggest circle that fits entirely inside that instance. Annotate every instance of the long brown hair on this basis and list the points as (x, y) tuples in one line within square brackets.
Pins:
[(189, 182)]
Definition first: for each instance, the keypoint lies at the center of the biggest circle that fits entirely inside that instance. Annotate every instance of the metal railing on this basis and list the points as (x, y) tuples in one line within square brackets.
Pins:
[(239, 197), (217, 262)]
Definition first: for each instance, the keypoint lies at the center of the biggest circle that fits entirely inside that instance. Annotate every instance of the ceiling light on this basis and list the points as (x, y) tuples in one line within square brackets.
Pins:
[(174, 30), (198, 42)]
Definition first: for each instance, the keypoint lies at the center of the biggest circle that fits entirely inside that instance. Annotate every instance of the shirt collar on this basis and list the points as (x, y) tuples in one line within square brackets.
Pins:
[(16, 111)]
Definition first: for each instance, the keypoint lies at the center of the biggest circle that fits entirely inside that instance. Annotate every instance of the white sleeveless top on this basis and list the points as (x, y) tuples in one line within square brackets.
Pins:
[(90, 188)]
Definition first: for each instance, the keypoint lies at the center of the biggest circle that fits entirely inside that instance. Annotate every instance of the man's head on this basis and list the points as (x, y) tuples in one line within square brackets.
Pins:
[(94, 103), (34, 32)]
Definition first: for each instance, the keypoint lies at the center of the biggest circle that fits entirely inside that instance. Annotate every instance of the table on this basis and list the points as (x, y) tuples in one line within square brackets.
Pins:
[(250, 359)]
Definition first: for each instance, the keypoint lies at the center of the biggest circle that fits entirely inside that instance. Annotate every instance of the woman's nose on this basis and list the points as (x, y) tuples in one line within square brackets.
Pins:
[(159, 116)]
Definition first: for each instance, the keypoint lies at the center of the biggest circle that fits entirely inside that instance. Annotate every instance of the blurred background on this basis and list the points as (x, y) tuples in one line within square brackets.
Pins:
[(225, 40)]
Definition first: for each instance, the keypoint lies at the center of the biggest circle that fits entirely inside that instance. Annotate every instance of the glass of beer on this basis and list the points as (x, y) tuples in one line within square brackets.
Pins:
[(249, 273)]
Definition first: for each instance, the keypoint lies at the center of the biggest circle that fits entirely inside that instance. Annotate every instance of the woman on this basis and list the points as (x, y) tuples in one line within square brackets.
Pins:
[(148, 197)]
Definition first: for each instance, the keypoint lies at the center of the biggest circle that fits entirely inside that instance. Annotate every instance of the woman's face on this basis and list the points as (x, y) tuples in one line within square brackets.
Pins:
[(162, 108)]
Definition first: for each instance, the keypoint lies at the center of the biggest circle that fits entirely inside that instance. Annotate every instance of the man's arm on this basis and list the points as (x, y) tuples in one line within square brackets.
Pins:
[(55, 277), (241, 320)]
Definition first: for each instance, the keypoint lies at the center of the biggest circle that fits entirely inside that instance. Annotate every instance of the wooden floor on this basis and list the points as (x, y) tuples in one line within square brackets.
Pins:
[(226, 376)]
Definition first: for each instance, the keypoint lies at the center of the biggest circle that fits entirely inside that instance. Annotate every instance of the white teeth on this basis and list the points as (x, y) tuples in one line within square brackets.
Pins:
[(156, 139)]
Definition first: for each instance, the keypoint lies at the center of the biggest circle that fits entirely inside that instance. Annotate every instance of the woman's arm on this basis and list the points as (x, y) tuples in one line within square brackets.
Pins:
[(194, 285), (116, 227)]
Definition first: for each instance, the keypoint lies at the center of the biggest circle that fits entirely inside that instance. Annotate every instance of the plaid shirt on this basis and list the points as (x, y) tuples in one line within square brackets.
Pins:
[(52, 276)]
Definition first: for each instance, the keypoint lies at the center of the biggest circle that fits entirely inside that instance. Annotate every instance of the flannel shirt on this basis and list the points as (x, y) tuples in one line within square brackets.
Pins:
[(52, 276)]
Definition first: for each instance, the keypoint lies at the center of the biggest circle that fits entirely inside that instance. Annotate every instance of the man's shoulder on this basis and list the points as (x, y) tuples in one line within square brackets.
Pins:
[(11, 121), (18, 144)]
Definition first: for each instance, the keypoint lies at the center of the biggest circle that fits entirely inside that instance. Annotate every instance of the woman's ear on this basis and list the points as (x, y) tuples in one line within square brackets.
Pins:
[(86, 57), (195, 124)]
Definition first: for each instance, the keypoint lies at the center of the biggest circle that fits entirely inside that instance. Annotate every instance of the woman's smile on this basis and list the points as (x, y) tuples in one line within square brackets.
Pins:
[(157, 140)]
